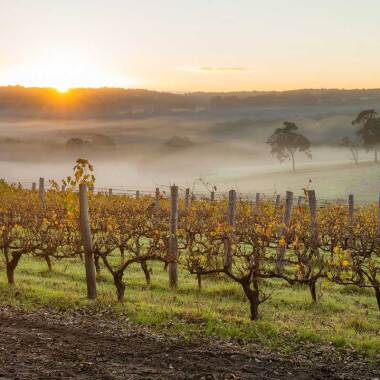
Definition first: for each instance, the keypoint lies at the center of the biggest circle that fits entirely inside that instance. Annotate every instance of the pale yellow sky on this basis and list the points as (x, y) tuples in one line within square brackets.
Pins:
[(198, 45)]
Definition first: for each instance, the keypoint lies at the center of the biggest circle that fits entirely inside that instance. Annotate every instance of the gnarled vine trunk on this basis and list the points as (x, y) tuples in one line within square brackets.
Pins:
[(377, 294), (120, 285), (11, 267), (146, 271), (48, 262), (313, 290), (122, 255), (199, 278), (253, 298), (97, 264)]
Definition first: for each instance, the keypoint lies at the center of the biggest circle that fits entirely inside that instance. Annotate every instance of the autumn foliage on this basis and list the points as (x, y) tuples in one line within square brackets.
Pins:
[(126, 230)]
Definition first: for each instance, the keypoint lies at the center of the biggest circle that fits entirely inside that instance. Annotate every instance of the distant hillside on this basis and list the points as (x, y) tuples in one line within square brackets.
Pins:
[(21, 102)]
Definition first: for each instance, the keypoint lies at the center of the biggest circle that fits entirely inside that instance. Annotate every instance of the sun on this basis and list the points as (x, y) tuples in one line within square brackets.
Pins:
[(63, 69), (62, 88)]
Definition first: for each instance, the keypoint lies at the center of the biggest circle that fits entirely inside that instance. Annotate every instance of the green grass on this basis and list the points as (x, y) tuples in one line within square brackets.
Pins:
[(330, 181), (344, 316)]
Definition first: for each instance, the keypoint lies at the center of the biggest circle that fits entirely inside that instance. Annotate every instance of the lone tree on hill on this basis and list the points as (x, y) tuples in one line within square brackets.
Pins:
[(285, 142), (369, 130)]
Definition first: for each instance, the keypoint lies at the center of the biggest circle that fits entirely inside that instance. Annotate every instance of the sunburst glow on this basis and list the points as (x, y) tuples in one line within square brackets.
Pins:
[(63, 70), (62, 89)]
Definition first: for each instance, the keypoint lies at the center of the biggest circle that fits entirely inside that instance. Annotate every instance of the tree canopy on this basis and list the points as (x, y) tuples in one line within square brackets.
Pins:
[(369, 129), (285, 142)]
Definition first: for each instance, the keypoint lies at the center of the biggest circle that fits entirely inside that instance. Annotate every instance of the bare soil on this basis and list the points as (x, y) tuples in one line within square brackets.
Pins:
[(48, 345)]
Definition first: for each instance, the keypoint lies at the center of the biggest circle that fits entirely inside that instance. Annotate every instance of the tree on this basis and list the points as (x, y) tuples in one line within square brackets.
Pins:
[(285, 142), (238, 250), (135, 232), (302, 261), (353, 145), (369, 130)]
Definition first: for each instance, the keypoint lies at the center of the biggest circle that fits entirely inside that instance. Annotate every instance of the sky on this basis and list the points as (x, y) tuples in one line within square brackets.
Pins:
[(192, 45)]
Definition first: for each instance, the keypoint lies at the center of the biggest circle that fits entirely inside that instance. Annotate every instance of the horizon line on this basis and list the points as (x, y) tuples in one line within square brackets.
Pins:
[(188, 92)]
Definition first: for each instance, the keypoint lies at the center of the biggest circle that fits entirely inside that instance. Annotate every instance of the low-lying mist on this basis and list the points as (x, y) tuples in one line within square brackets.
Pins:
[(145, 153)]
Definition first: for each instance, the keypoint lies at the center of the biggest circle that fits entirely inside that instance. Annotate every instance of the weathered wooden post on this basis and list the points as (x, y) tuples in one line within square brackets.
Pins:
[(41, 215), (157, 199), (187, 199), (34, 186), (283, 231), (288, 207), (278, 200), (87, 242), (313, 214), (257, 200), (173, 242), (41, 193), (110, 192), (231, 221), (212, 196), (350, 217), (350, 209), (314, 237), (137, 194)]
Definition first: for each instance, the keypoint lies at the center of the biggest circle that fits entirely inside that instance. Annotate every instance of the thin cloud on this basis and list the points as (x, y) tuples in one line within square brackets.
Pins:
[(214, 69)]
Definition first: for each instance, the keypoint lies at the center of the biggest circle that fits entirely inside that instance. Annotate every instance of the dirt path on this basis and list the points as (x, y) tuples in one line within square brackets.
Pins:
[(47, 346)]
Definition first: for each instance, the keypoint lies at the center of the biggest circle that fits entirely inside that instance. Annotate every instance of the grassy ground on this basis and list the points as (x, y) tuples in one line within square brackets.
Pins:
[(329, 181), (345, 317)]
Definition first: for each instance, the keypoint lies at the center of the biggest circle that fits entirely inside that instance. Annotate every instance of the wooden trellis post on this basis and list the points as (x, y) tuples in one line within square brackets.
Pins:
[(137, 194), (314, 236), (110, 192), (212, 196), (283, 231), (34, 186), (257, 203), (278, 200), (257, 199), (313, 214), (41, 193), (157, 199), (173, 241), (350, 209), (350, 217), (87, 242), (187, 199), (231, 221)]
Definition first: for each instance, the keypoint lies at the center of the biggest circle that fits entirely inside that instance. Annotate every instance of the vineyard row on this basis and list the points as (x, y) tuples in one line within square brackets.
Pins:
[(249, 242)]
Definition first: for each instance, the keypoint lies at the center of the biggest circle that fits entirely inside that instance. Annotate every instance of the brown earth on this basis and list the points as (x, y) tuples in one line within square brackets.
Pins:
[(49, 345)]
